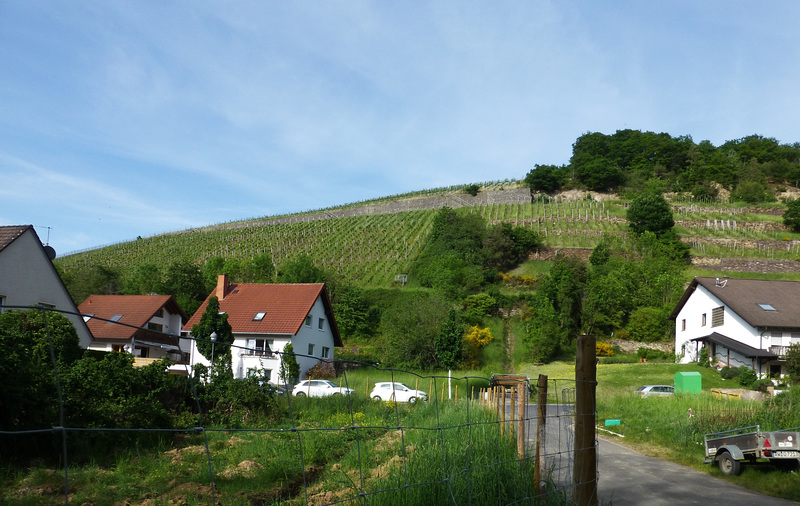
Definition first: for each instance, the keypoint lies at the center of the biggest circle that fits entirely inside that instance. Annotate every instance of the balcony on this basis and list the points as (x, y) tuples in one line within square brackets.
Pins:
[(781, 351)]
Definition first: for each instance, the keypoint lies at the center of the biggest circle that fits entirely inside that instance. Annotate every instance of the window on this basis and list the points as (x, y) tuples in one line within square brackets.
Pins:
[(718, 316), (2, 302), (308, 320), (683, 324), (115, 318), (703, 320), (87, 317), (259, 346), (325, 351), (155, 326), (321, 324), (159, 313), (776, 334), (46, 305), (310, 349), (118, 347), (767, 307), (259, 316), (142, 352)]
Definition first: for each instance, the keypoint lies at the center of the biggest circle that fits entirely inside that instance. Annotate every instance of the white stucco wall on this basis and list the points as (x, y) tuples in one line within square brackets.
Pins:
[(28, 278), (703, 302)]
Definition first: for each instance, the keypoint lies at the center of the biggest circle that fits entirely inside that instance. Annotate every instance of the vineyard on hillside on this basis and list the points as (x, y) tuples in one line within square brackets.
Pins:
[(369, 246)]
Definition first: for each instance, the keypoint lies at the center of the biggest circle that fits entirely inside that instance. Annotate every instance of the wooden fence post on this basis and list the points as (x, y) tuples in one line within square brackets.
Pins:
[(585, 472), (541, 420)]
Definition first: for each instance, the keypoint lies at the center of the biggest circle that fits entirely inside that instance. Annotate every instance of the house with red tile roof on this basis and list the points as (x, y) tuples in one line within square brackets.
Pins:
[(29, 279), (265, 317), (147, 326), (750, 322)]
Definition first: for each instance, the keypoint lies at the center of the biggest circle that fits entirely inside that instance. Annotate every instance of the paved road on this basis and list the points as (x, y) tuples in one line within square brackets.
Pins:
[(628, 478)]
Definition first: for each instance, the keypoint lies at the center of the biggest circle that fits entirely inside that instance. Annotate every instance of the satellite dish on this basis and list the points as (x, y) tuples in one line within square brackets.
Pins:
[(50, 252)]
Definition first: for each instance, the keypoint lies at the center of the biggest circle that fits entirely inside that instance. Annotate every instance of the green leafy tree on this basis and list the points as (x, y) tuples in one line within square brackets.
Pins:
[(545, 178), (301, 270), (409, 328), (791, 217), (184, 281), (86, 280), (648, 324), (289, 370), (448, 342), (793, 362), (544, 336), (354, 316), (143, 279), (28, 398), (650, 213), (217, 352)]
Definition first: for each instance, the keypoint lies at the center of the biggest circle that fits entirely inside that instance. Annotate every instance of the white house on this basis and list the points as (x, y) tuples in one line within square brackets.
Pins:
[(147, 326), (265, 317), (28, 277), (749, 322)]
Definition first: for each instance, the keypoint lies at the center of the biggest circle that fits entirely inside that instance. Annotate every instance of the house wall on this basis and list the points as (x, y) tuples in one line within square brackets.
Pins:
[(312, 334), (242, 360), (28, 278), (703, 302)]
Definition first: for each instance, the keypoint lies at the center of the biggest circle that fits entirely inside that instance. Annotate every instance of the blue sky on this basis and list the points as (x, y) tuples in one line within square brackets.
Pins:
[(125, 119)]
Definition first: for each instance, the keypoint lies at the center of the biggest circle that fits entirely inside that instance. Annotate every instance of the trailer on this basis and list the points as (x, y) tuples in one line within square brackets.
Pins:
[(729, 449)]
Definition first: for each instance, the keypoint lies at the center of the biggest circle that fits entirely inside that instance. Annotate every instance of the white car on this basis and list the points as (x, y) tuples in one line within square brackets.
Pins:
[(388, 391), (655, 390), (320, 388)]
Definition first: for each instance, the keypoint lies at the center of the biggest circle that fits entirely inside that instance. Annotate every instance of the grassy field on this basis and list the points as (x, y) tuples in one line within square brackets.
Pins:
[(662, 427)]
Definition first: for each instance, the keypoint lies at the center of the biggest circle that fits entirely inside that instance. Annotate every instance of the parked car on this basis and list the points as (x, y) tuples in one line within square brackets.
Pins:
[(655, 390), (320, 388), (388, 391)]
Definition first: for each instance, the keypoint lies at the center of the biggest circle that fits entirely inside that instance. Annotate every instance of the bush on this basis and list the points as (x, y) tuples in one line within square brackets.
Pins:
[(603, 349), (747, 377), (323, 370), (729, 373)]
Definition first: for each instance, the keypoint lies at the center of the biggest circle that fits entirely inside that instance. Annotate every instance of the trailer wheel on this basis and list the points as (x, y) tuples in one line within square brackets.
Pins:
[(729, 465)]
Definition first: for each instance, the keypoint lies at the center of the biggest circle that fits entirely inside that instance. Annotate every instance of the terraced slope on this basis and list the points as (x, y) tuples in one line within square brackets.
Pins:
[(370, 244)]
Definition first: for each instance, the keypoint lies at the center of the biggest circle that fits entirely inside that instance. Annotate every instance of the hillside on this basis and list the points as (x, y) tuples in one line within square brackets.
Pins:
[(370, 243)]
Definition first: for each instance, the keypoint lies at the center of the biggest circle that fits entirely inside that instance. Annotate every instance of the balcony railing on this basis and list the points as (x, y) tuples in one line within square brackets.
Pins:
[(781, 351)]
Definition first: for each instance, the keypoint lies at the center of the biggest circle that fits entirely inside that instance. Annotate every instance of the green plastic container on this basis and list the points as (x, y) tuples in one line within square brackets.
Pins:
[(690, 382), (612, 422)]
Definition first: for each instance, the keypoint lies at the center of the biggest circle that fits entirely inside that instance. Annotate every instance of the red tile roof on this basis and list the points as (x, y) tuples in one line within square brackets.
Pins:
[(285, 305), (136, 311)]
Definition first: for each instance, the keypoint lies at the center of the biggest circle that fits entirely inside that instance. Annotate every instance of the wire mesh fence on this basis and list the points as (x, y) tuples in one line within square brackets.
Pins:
[(474, 440)]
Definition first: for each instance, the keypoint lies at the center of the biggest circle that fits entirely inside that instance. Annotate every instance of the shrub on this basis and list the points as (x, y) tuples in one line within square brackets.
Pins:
[(702, 360), (603, 350), (472, 189), (729, 373), (323, 370), (747, 377)]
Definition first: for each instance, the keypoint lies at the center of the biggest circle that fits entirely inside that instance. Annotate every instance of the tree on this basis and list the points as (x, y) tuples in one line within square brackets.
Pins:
[(545, 178), (409, 328), (290, 369), (143, 279), (28, 397), (791, 217), (650, 212), (448, 342), (301, 270), (474, 341), (217, 352), (184, 281)]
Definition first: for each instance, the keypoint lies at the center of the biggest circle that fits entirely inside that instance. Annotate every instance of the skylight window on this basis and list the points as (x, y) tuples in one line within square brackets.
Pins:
[(259, 316), (87, 317), (767, 307), (115, 318)]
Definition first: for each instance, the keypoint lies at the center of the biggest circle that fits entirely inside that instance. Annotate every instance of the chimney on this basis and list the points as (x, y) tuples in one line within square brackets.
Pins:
[(222, 286)]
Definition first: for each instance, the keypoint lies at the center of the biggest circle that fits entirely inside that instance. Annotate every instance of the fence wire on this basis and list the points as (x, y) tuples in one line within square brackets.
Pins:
[(456, 448)]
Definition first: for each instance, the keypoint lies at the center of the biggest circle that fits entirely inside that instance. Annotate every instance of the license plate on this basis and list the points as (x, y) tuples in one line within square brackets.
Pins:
[(786, 455)]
